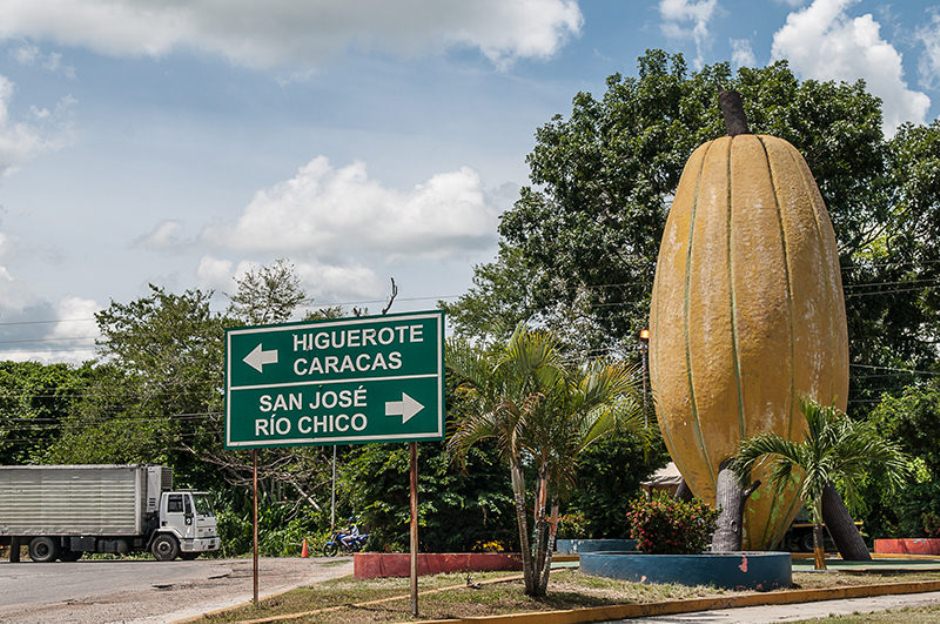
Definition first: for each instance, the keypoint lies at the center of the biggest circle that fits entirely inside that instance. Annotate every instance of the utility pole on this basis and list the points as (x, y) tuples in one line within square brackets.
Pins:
[(644, 337), (333, 495)]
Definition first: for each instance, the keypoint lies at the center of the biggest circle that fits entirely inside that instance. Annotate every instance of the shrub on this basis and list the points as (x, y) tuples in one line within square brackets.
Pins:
[(667, 525), (572, 526)]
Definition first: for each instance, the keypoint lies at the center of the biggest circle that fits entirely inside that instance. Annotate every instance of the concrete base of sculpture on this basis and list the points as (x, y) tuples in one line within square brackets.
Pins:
[(745, 570)]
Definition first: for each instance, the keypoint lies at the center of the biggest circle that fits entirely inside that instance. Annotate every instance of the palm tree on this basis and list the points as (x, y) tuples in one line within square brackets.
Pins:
[(541, 414), (836, 450)]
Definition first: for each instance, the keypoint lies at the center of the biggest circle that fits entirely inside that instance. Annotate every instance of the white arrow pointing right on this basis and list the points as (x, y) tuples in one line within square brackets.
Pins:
[(406, 408)]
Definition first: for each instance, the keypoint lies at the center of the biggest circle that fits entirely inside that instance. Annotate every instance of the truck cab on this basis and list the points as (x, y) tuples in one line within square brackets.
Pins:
[(186, 526)]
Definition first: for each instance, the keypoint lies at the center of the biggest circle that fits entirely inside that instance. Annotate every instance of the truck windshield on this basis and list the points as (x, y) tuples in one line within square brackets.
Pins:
[(203, 508)]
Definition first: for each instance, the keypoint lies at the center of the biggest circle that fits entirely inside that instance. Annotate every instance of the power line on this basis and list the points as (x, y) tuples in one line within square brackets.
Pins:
[(643, 282), (48, 339), (930, 280), (892, 368), (74, 320)]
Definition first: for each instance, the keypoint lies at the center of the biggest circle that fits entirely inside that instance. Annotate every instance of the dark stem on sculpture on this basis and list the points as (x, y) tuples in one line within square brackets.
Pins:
[(730, 498), (732, 109)]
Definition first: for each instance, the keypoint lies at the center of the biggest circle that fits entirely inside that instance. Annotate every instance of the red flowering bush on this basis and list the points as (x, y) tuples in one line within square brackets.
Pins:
[(668, 525)]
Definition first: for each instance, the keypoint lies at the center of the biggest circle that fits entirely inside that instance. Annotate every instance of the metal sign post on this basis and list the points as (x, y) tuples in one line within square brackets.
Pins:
[(414, 528), (333, 494), (254, 526)]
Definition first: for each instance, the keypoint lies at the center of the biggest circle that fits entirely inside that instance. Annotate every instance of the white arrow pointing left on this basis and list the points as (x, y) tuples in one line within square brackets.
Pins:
[(259, 357)]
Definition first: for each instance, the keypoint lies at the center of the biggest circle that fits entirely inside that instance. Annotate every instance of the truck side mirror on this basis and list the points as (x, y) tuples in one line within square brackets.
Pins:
[(189, 518)]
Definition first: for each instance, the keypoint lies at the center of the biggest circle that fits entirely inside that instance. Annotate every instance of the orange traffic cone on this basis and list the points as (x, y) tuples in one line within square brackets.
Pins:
[(304, 551)]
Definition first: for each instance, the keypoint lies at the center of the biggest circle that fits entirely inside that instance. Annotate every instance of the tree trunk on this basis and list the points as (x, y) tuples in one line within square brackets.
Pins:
[(841, 527), (730, 499), (819, 549), (552, 532), (538, 517), (683, 492), (518, 490), (819, 552)]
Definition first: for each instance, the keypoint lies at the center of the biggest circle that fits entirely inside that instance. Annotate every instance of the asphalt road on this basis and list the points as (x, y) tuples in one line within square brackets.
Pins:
[(131, 591)]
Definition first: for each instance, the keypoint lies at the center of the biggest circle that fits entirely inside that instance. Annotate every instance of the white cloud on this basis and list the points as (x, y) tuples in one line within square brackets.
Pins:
[(71, 330), (19, 141), (334, 212), (30, 55), (684, 19), (71, 338), (26, 54), (215, 273), (165, 235), (291, 33), (823, 42), (326, 283), (742, 54), (929, 64)]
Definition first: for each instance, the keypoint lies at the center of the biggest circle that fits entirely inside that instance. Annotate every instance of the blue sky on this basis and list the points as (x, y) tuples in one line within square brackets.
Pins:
[(180, 144)]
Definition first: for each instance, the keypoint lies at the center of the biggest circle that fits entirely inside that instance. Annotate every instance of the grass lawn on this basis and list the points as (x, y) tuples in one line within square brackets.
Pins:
[(912, 615), (568, 589)]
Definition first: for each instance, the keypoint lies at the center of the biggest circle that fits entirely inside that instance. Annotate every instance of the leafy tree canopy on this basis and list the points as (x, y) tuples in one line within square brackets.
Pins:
[(578, 249)]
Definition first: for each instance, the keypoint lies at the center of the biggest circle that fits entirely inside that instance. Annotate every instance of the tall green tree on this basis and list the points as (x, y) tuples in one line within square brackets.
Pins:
[(169, 350), (460, 509), (911, 419), (540, 414), (35, 400), (835, 450), (267, 294), (578, 249), (609, 476)]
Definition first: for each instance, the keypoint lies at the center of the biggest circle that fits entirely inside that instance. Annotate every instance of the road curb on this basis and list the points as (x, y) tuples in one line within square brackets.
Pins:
[(286, 617), (191, 619), (617, 612)]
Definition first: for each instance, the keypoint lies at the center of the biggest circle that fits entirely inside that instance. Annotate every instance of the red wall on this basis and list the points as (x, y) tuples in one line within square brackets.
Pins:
[(373, 565), (909, 546)]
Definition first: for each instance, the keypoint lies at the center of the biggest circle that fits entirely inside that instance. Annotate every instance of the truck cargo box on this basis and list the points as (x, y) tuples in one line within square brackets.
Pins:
[(91, 500)]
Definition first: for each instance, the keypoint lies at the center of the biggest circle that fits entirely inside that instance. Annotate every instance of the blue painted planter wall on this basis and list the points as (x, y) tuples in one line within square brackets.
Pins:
[(751, 570), (575, 546)]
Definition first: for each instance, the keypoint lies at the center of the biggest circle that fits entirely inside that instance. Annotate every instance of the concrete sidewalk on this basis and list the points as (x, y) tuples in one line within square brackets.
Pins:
[(789, 613)]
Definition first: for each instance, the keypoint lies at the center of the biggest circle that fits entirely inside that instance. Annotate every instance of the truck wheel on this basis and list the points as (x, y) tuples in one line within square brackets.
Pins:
[(43, 550), (165, 547), (188, 556), (806, 542)]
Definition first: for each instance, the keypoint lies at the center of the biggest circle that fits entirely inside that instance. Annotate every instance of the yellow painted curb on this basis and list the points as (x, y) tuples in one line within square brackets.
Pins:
[(616, 612)]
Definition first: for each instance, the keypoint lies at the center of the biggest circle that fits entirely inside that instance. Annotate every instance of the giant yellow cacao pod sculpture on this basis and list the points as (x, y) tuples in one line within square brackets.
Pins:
[(747, 315)]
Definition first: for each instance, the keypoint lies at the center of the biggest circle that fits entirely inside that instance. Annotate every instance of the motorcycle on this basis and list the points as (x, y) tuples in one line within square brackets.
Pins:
[(337, 542)]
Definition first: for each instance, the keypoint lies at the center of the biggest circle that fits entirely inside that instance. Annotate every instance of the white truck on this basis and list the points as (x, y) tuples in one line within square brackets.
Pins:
[(62, 512)]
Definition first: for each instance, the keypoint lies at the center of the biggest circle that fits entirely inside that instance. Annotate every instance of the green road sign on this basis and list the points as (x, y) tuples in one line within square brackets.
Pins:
[(345, 381)]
